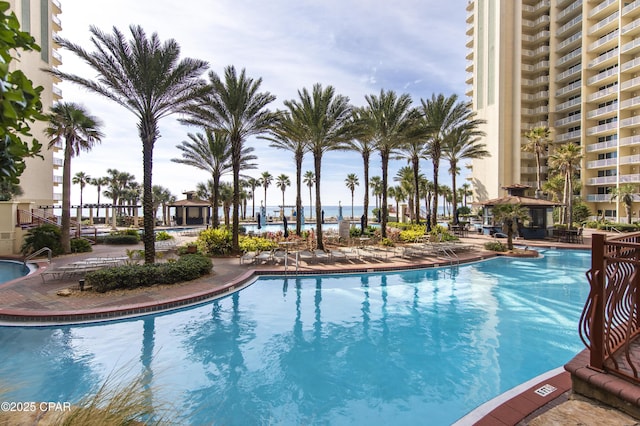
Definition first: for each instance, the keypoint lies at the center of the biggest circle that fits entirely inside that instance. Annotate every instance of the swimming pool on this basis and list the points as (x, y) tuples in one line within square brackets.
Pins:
[(395, 348), (11, 269)]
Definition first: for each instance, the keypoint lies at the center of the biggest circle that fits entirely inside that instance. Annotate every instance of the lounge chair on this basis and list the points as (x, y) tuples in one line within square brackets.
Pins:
[(279, 256), (321, 255), (264, 256), (249, 257), (306, 256)]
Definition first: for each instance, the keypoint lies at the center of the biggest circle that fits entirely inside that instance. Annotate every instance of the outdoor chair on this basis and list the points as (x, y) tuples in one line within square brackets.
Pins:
[(249, 257)]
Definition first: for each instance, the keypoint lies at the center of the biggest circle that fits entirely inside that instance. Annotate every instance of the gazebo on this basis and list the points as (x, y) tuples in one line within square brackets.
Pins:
[(540, 222), (190, 211)]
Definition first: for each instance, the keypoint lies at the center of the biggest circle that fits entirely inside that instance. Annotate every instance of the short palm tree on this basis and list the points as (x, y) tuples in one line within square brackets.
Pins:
[(82, 179), (376, 189), (161, 196), (537, 142), (210, 192), (510, 215), (226, 198), (265, 180), (146, 77), (253, 183), (625, 194), (404, 177), (72, 124), (399, 195), (99, 183), (352, 181), (324, 120), (309, 179), (282, 182), (566, 160), (235, 106), (389, 118), (460, 145)]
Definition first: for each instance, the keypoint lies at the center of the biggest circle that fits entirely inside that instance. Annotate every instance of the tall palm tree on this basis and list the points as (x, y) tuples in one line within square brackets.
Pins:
[(566, 159), (352, 181), (146, 77), (405, 178), (466, 192), (376, 189), (82, 179), (399, 195), (426, 191), (390, 118), (309, 179), (161, 197), (537, 142), (324, 119), (282, 182), (625, 194), (459, 145), (510, 215), (265, 180), (118, 183), (99, 183), (227, 197), (80, 131), (441, 115), (363, 144), (235, 106), (210, 192), (287, 136), (212, 152), (414, 151), (253, 183)]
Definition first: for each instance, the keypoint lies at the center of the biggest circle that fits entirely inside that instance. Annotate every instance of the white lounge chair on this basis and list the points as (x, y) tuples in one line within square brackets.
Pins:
[(248, 257)]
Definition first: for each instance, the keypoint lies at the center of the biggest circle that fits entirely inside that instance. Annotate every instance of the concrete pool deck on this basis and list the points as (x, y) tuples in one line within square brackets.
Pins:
[(33, 301)]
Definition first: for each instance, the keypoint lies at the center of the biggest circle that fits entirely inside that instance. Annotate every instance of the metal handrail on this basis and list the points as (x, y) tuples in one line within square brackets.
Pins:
[(42, 250)]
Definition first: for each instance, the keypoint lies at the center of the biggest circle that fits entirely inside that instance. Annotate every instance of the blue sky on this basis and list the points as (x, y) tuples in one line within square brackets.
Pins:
[(357, 46)]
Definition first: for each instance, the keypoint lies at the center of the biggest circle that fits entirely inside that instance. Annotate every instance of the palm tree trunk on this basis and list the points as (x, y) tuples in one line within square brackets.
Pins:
[(454, 195), (253, 203), (298, 194), (65, 237), (436, 166), (237, 156), (216, 200), (147, 195), (317, 162), (416, 185), (383, 201), (365, 157)]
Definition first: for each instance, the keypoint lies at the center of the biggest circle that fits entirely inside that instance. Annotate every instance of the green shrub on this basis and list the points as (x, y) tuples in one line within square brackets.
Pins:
[(495, 246), (410, 235), (43, 236), (256, 244), (118, 238), (163, 236), (186, 268), (387, 242), (355, 232), (215, 241), (80, 245)]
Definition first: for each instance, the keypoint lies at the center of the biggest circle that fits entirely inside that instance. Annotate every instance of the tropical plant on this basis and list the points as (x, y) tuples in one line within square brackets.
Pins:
[(352, 181), (376, 189), (161, 197), (399, 195), (82, 179), (441, 115), (118, 184), (363, 144), (510, 215), (21, 104), (324, 121), (46, 235), (282, 182), (405, 178), (566, 160), (310, 180), (99, 183), (234, 105), (465, 191), (390, 119), (226, 198), (146, 77), (461, 144), (287, 136), (8, 190), (537, 142), (265, 180), (253, 183), (625, 194), (80, 131)]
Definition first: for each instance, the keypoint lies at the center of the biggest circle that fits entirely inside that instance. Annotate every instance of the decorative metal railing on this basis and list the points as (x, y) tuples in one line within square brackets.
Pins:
[(610, 319)]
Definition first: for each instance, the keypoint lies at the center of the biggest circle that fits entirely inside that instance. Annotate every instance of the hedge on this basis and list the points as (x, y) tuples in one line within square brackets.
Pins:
[(186, 268)]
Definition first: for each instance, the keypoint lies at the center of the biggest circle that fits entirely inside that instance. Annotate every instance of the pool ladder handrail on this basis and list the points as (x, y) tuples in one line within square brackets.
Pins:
[(39, 252)]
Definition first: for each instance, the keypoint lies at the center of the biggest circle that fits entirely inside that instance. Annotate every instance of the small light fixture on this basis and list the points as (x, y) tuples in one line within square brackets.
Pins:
[(81, 284)]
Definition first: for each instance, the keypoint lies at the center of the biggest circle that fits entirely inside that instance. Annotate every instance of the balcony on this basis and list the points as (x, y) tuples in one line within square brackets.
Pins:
[(604, 40), (602, 128), (566, 137), (630, 103), (604, 25), (575, 118), (629, 141), (631, 47), (540, 22), (630, 7), (571, 72), (570, 42), (603, 76), (598, 198), (570, 88), (632, 178), (631, 121), (536, 38), (536, 111), (630, 66), (533, 170), (611, 56), (603, 180), (570, 57), (542, 80), (602, 7), (603, 94), (631, 28), (630, 159), (568, 11), (569, 104), (569, 25), (603, 146), (599, 164), (540, 51), (603, 111), (543, 95), (635, 82)]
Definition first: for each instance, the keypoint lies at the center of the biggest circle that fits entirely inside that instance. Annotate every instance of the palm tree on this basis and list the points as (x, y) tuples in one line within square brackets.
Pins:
[(265, 181), (287, 137), (399, 195), (352, 181), (566, 159), (441, 115), (99, 183), (363, 144), (466, 192), (235, 106), (161, 197), (253, 183), (80, 131), (625, 194), (118, 183), (537, 142), (82, 179), (460, 144), (389, 118), (405, 177), (212, 152), (510, 215), (227, 197), (309, 180), (426, 191), (146, 77), (324, 120), (376, 189), (209, 191), (282, 182)]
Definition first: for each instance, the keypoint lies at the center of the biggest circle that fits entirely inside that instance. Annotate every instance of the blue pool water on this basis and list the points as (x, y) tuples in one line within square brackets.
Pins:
[(416, 347), (10, 270)]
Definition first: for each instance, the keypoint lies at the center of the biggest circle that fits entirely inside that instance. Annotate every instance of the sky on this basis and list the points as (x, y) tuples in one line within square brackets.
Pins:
[(357, 46)]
